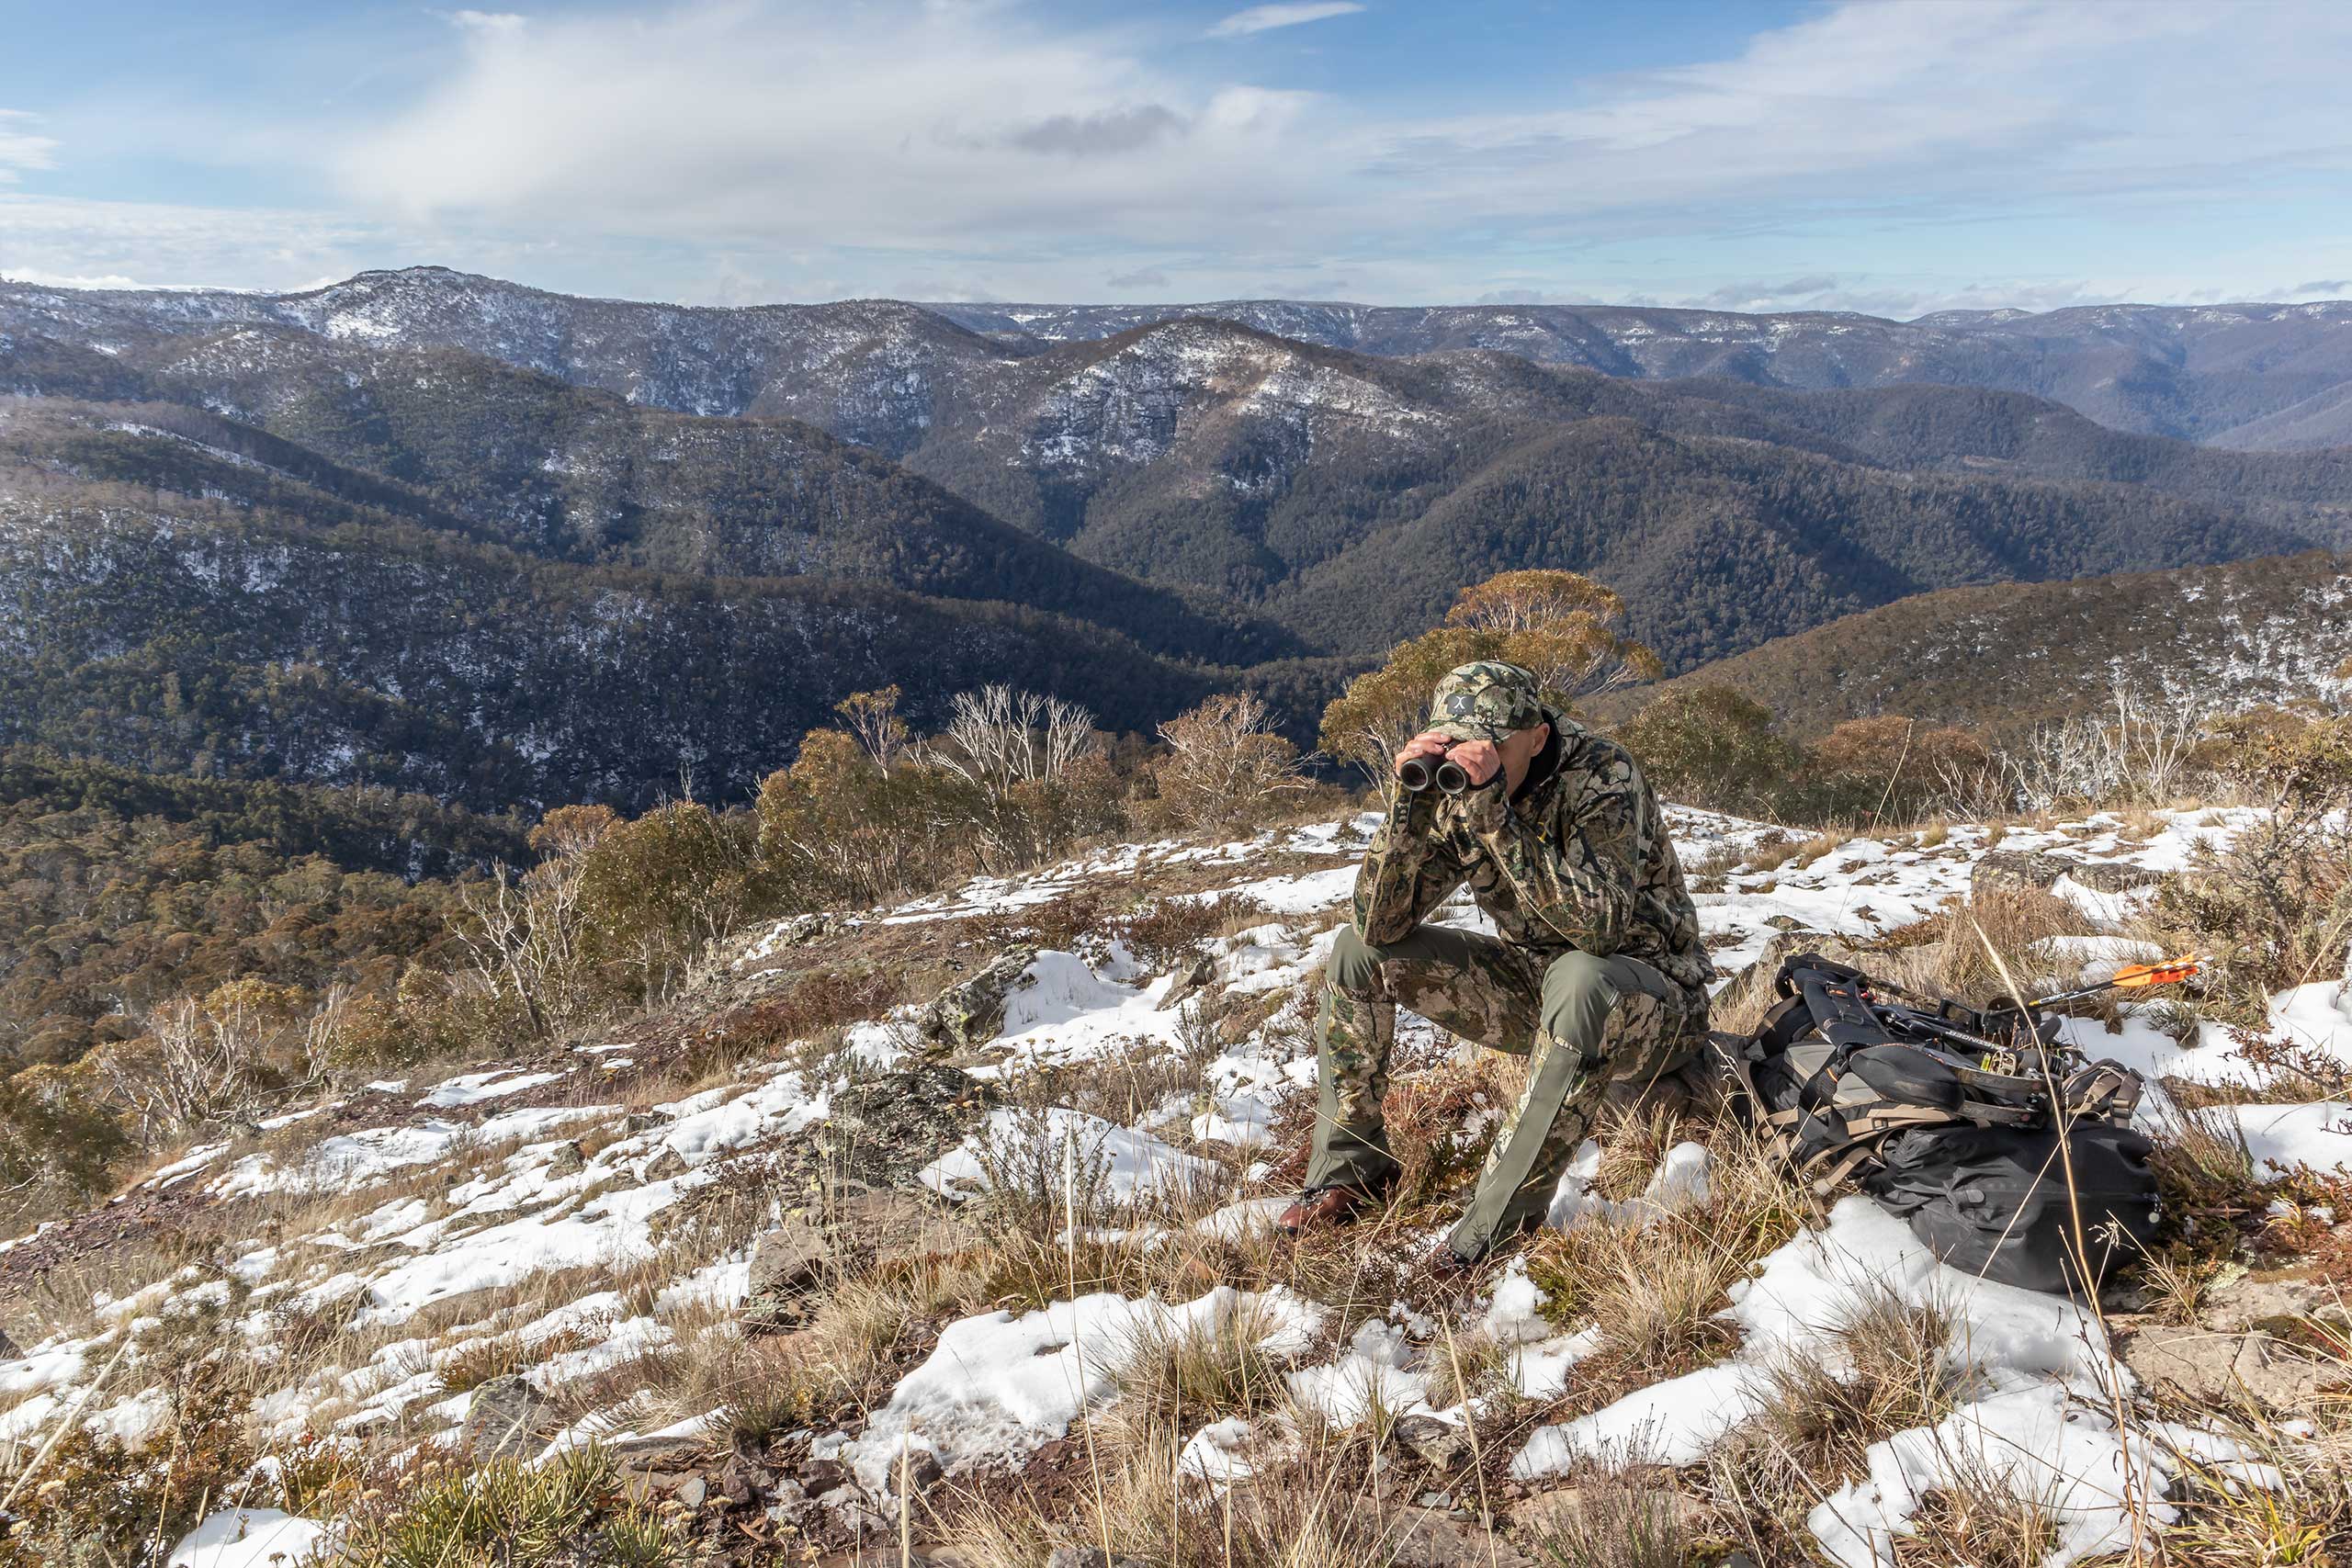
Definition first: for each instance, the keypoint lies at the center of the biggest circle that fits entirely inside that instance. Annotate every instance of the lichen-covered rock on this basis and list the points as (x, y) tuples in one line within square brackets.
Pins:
[(2223, 1368), (2113, 875), (787, 1263), (1441, 1445), (970, 1012), (506, 1415), (2018, 870)]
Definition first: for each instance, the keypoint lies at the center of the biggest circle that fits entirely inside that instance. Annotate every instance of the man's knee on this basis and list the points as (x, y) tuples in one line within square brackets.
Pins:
[(1578, 995), (1355, 963)]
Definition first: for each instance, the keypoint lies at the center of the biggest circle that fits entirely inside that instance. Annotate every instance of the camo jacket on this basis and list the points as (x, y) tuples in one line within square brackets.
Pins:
[(1580, 859)]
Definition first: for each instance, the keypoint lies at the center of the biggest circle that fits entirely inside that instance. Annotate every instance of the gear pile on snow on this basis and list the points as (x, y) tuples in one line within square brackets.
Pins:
[(2010, 1154)]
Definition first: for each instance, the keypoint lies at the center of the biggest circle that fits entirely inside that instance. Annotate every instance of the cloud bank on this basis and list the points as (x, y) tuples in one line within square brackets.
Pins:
[(2049, 150)]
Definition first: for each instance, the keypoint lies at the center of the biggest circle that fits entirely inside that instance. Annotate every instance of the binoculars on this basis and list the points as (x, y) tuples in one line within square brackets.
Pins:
[(1418, 773)]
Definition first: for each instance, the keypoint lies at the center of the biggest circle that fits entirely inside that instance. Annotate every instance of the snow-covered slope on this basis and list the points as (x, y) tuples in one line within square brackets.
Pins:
[(533, 1210)]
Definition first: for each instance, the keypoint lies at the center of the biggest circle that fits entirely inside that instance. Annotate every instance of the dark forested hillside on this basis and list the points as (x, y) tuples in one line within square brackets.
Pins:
[(453, 440), (2003, 658), (1718, 544), (200, 640), (438, 534)]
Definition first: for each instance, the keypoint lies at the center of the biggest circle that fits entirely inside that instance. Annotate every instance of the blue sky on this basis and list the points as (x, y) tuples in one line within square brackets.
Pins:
[(1894, 158)]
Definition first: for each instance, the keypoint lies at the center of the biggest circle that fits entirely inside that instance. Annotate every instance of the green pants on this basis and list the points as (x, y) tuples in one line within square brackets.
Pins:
[(1582, 1022)]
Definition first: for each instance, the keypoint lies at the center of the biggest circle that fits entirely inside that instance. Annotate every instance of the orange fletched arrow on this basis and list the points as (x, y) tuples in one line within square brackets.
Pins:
[(2135, 976), (2172, 971)]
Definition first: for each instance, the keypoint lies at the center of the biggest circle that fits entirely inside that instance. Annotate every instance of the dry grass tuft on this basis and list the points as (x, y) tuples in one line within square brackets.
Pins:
[(2013, 918), (1888, 1366), (2206, 1176), (1608, 1518), (1311, 1510), (1200, 1369), (1978, 1518)]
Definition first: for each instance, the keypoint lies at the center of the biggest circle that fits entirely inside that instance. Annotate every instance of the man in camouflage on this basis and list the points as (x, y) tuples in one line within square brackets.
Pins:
[(1596, 972)]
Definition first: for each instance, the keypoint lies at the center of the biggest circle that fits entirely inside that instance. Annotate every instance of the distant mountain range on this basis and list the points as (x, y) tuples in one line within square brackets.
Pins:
[(2258, 377), (368, 530)]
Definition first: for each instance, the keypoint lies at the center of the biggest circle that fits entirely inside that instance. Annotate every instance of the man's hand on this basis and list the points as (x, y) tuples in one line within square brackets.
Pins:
[(1427, 743), (1478, 759)]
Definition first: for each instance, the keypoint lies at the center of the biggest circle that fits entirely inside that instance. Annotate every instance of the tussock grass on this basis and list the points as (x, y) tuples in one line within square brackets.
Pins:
[(1819, 845), (1657, 1301), (2013, 919), (1309, 1510), (1199, 1370), (1609, 1517), (1979, 1517), (1887, 1366), (1470, 1366), (496, 1358), (1652, 1290), (2229, 1518), (2205, 1175), (502, 1511)]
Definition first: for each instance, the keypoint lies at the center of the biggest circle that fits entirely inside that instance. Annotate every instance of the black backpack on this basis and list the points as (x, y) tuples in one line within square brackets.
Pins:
[(1993, 1139)]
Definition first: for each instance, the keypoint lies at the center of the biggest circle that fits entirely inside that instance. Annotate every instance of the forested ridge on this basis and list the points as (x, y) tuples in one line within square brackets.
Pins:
[(254, 544)]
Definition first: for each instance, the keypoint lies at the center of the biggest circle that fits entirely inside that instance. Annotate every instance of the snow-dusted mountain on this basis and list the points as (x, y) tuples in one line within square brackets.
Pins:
[(2255, 376)]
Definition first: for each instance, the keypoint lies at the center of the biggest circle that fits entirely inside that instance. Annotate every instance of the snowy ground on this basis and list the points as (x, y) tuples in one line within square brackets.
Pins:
[(521, 1199)]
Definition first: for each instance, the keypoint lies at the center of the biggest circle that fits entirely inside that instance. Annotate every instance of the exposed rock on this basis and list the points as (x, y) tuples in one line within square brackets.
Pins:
[(1441, 1445), (656, 1454), (637, 1122), (787, 1263), (505, 1415), (802, 929), (1187, 982), (668, 1163), (787, 1502), (2245, 1302), (822, 1477), (970, 1012), (880, 1130), (692, 1491), (921, 1471), (1089, 1557), (2012, 870), (1434, 1539), (8, 1350), (2113, 875), (2213, 1367), (1566, 1510), (567, 1160), (743, 1483)]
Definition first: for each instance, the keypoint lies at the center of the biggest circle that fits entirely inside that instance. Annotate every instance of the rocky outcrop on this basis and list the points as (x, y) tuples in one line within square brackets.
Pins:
[(969, 1012), (2036, 870), (506, 1415), (2008, 871), (853, 1226)]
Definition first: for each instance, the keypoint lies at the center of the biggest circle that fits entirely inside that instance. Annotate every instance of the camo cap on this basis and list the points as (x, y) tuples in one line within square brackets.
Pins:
[(1486, 701)]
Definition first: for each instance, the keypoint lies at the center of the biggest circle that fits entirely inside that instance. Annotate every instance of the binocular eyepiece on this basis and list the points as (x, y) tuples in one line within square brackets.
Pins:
[(1418, 773)]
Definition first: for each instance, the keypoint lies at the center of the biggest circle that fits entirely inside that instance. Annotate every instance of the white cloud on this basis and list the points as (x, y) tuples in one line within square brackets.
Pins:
[(902, 127), (743, 149), (1265, 18), (19, 148), (496, 22), (976, 138)]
